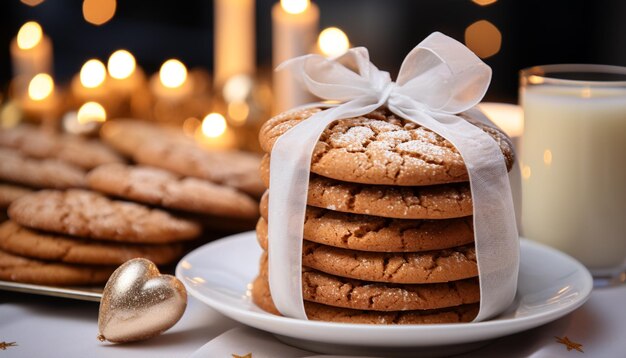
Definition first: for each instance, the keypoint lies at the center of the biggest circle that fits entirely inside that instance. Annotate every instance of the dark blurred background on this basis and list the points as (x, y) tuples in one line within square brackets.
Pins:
[(533, 32)]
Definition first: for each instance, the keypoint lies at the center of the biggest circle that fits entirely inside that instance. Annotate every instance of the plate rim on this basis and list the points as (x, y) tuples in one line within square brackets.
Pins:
[(479, 330)]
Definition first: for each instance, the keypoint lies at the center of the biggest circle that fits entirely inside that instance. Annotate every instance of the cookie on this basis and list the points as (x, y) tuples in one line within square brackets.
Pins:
[(88, 214), (126, 135), (401, 202), (163, 188), (236, 169), (338, 291), (39, 173), (25, 270), (21, 241), (415, 267), (381, 148), (34, 142), (319, 312), (9, 192), (373, 233)]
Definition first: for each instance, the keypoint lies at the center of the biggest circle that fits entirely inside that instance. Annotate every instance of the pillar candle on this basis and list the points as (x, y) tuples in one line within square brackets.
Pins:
[(234, 39)]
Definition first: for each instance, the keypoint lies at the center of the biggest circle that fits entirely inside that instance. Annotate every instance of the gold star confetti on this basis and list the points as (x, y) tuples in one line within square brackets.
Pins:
[(249, 355), (569, 344), (5, 345)]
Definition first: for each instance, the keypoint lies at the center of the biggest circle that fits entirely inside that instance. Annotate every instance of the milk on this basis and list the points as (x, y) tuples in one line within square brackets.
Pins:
[(573, 157)]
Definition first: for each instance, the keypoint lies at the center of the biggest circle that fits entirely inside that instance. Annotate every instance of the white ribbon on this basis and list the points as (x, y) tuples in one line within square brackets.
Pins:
[(438, 79)]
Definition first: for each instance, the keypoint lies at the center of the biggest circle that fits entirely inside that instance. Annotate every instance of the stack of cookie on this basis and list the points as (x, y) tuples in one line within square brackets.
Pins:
[(388, 233)]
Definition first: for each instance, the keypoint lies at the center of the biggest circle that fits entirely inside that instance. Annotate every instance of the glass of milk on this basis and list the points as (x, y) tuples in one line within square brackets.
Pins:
[(573, 163)]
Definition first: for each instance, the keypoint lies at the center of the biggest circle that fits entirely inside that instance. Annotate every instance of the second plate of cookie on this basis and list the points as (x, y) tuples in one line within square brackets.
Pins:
[(551, 284)]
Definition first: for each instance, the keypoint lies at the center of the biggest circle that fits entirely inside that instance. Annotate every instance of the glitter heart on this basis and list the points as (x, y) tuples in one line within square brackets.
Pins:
[(139, 303)]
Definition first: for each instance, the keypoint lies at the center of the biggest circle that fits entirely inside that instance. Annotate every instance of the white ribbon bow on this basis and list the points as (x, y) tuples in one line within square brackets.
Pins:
[(438, 79)]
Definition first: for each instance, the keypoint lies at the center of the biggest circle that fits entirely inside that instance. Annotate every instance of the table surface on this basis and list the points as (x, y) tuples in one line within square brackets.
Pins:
[(55, 327)]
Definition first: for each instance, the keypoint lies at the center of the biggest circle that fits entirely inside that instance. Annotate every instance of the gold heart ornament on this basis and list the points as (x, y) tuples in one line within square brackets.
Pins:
[(139, 303)]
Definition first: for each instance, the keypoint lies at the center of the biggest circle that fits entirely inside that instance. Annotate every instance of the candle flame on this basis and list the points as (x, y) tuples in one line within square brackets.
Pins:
[(121, 64), (173, 73), (91, 112), (40, 87), (29, 36), (92, 74), (333, 42), (213, 125), (295, 6)]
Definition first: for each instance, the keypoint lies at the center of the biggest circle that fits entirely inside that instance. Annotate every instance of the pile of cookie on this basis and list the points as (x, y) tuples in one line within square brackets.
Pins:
[(388, 233), (78, 208)]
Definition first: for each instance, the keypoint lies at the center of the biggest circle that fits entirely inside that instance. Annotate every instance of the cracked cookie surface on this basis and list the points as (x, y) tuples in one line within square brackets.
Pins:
[(416, 267), (416, 202), (39, 173), (261, 296), (19, 240), (373, 233), (381, 148), (20, 269), (34, 142), (338, 291), (88, 214), (163, 188)]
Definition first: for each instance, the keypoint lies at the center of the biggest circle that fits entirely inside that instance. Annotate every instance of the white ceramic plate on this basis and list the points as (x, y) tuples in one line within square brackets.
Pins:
[(551, 284)]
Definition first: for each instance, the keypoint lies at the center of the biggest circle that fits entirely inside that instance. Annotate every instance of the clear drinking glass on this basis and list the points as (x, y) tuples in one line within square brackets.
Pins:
[(573, 162)]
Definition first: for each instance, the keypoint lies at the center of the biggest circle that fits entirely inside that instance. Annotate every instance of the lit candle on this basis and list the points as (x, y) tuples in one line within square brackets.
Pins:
[(41, 101), (332, 42), (509, 117), (294, 25), (125, 77), (31, 53), (214, 133), (234, 39), (90, 84), (171, 83), (87, 120)]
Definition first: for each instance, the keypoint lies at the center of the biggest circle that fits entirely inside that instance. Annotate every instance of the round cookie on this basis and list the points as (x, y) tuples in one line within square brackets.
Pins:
[(319, 312), (381, 148), (9, 192), (127, 135), (36, 143), (338, 291), (236, 169), (401, 202), (21, 241), (21, 269), (39, 173), (160, 187), (89, 214), (407, 268), (373, 233)]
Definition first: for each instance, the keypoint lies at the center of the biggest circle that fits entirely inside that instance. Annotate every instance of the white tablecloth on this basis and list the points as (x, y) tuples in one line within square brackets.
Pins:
[(47, 327)]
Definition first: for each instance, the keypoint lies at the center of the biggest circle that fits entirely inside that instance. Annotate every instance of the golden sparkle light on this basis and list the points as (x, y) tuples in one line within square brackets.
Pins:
[(295, 6), (483, 38), (333, 42), (173, 73), (31, 3), (92, 74), (213, 125), (29, 35), (121, 64), (91, 112), (484, 2), (98, 12), (40, 87)]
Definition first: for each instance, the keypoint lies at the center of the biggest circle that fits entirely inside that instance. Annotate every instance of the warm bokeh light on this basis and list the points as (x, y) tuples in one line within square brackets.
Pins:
[(98, 12), (295, 6), (31, 2), (333, 42), (121, 64), (40, 87), (238, 112), (91, 112), (509, 117), (484, 2), (29, 36), (483, 38), (93, 73), (173, 73), (547, 157), (213, 125), (526, 172), (237, 88)]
